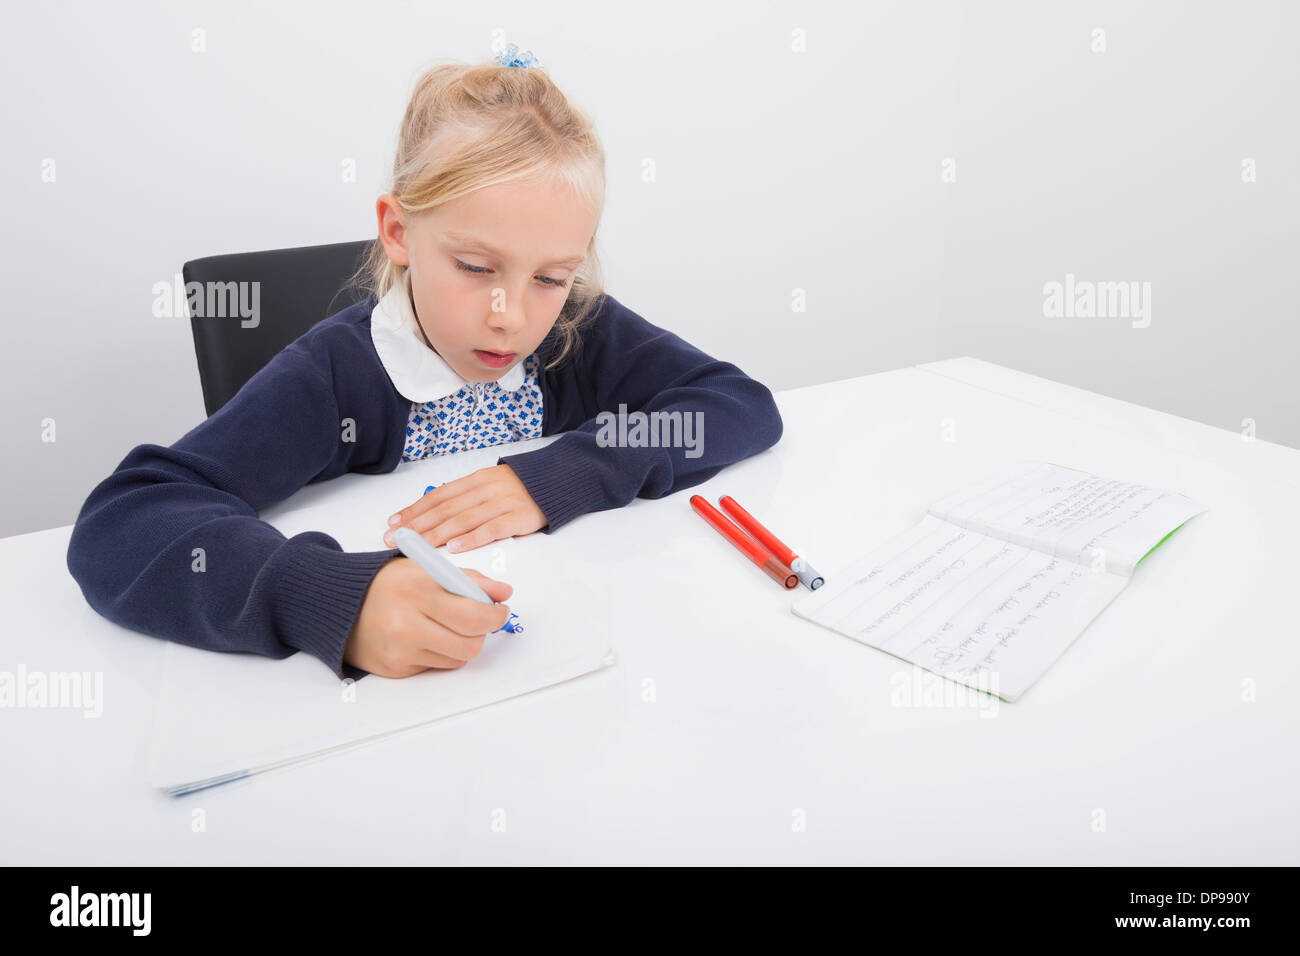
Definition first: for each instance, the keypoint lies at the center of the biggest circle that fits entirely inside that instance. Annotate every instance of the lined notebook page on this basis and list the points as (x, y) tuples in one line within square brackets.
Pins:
[(987, 609), (980, 611)]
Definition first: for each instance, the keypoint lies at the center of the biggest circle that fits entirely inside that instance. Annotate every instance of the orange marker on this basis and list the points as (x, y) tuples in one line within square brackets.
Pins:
[(755, 551), (809, 577)]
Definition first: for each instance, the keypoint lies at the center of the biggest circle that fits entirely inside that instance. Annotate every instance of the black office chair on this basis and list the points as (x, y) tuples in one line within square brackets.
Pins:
[(297, 288)]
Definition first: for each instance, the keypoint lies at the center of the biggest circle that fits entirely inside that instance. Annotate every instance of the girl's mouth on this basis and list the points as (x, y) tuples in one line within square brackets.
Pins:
[(495, 359)]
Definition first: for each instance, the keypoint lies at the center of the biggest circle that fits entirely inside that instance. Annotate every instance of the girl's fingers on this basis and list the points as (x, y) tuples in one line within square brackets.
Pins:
[(428, 514), (430, 518), (433, 517), (435, 642), (486, 533), (403, 672), (454, 647), (451, 620), (441, 642), (466, 521), (496, 590), (439, 496), (423, 660), (428, 658)]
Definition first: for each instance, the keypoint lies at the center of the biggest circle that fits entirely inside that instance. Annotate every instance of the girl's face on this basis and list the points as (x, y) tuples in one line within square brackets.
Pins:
[(489, 271)]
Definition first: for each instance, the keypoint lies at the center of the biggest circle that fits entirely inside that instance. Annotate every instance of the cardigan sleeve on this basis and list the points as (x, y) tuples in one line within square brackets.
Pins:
[(630, 365), (170, 543)]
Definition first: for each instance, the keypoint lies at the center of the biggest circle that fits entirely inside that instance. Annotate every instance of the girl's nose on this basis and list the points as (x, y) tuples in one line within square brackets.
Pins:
[(508, 321)]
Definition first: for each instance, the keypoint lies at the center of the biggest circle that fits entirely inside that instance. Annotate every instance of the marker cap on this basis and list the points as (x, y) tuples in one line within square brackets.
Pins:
[(808, 575), (778, 572)]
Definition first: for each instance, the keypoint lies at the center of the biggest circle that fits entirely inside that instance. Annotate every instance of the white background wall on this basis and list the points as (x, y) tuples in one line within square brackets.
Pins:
[(775, 170)]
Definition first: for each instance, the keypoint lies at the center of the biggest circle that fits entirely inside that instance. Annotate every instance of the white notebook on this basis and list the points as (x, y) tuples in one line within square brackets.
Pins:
[(224, 716), (999, 578)]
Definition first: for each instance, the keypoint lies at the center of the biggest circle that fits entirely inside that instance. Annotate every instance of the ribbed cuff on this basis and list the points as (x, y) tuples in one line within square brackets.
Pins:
[(319, 593), (561, 479)]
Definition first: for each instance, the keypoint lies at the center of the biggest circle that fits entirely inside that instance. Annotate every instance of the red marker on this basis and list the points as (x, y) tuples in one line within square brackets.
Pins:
[(755, 551), (801, 568)]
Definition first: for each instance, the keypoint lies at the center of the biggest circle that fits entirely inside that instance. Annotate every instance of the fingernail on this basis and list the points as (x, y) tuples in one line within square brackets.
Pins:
[(388, 538), (395, 520), (453, 545)]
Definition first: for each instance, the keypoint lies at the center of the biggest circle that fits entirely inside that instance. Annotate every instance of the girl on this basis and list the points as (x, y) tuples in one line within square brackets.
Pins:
[(486, 324)]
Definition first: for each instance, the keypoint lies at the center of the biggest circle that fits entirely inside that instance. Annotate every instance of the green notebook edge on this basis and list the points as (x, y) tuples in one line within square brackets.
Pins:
[(1157, 544)]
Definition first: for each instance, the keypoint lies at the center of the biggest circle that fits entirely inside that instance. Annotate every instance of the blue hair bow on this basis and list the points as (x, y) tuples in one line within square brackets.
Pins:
[(510, 56)]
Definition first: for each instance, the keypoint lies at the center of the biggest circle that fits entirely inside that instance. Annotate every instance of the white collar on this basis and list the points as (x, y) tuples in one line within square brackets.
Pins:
[(419, 373)]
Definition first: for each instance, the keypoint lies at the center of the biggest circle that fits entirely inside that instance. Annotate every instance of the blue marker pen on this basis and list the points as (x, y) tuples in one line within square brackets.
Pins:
[(447, 574)]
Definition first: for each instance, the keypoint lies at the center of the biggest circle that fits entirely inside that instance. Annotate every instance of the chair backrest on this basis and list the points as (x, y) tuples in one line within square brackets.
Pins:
[(295, 289)]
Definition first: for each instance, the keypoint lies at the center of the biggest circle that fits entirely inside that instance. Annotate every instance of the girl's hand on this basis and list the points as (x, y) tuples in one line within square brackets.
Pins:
[(484, 506), (408, 623)]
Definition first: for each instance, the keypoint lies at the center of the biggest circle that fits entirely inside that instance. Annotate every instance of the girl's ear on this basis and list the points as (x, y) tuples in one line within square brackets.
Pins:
[(392, 229)]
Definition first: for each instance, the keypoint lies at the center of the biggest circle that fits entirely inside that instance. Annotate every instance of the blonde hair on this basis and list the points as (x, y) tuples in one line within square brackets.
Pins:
[(468, 126)]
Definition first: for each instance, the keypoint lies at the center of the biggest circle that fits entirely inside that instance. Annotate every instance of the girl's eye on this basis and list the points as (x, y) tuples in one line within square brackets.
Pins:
[(481, 270)]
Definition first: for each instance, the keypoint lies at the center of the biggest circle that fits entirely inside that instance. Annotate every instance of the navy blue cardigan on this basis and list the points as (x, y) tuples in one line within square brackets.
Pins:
[(132, 547)]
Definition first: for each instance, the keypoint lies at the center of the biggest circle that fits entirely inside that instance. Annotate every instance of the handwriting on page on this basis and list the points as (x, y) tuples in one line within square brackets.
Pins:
[(1072, 514), (1001, 577), (982, 611)]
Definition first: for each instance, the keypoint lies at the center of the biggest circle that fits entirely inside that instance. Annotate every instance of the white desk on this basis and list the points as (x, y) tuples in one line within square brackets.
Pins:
[(760, 716)]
